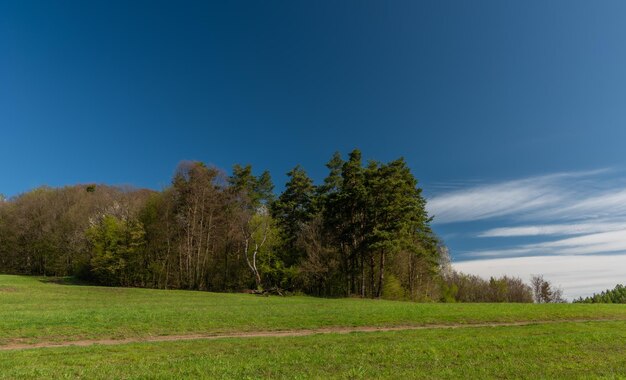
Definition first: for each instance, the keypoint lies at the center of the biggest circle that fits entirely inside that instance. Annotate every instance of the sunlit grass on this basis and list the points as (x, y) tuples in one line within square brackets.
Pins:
[(564, 350), (34, 311)]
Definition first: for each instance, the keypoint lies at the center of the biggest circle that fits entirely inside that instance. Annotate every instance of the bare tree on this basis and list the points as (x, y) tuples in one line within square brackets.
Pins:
[(256, 230), (544, 291)]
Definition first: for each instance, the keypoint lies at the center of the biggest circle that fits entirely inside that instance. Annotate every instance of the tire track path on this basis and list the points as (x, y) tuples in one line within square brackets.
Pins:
[(284, 333)]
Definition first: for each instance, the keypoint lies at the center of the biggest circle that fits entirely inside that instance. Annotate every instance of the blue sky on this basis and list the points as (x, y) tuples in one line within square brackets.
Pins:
[(511, 114)]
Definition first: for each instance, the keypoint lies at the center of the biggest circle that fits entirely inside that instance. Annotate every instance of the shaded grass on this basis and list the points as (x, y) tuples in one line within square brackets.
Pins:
[(34, 311), (565, 350)]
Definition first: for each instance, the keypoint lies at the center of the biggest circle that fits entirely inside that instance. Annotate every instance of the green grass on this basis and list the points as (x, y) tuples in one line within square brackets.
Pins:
[(34, 311), (567, 350)]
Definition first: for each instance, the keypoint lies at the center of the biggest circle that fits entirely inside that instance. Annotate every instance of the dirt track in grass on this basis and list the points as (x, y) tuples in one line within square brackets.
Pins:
[(17, 345)]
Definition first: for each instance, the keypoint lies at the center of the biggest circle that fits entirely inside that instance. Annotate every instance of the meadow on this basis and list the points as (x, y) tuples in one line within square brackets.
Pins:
[(580, 340)]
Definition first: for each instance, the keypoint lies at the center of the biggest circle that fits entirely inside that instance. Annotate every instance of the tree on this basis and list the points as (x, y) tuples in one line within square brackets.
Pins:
[(332, 182), (160, 225), (8, 247), (116, 242), (373, 214), (345, 218), (258, 231), (395, 211), (293, 210), (257, 191), (259, 236), (200, 209), (320, 270), (460, 287), (544, 291), (615, 295), (363, 231)]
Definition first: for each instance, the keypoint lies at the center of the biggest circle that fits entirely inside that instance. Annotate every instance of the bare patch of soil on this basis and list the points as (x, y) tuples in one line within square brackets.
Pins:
[(17, 345)]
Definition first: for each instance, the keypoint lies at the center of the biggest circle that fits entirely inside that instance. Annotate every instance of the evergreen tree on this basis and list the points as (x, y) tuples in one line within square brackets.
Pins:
[(363, 231), (615, 295), (292, 210), (396, 213), (256, 190), (345, 217), (332, 183)]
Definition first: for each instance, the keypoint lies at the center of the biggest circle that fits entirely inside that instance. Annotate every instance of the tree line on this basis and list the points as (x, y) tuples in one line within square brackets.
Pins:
[(364, 231), (615, 295)]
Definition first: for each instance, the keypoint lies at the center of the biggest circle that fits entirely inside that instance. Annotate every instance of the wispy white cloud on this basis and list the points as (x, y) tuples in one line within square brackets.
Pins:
[(503, 252), (561, 196), (554, 229), (605, 242), (490, 201), (580, 216), (611, 203), (597, 243), (577, 275)]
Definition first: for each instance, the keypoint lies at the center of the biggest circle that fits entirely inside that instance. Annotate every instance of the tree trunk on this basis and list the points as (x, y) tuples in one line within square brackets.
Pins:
[(362, 277), (372, 275), (381, 277)]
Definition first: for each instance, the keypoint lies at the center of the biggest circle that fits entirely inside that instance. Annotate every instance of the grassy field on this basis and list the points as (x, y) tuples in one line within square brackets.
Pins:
[(568, 351), (35, 311)]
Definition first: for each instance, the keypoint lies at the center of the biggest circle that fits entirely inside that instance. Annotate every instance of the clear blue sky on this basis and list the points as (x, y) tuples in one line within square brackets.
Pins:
[(473, 94)]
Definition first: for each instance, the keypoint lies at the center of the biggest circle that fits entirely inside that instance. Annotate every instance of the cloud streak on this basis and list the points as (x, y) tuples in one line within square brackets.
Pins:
[(491, 201), (604, 242), (607, 204), (554, 229), (561, 196), (571, 227)]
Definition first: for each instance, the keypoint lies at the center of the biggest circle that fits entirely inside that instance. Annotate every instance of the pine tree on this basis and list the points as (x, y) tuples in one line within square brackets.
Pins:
[(293, 209)]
